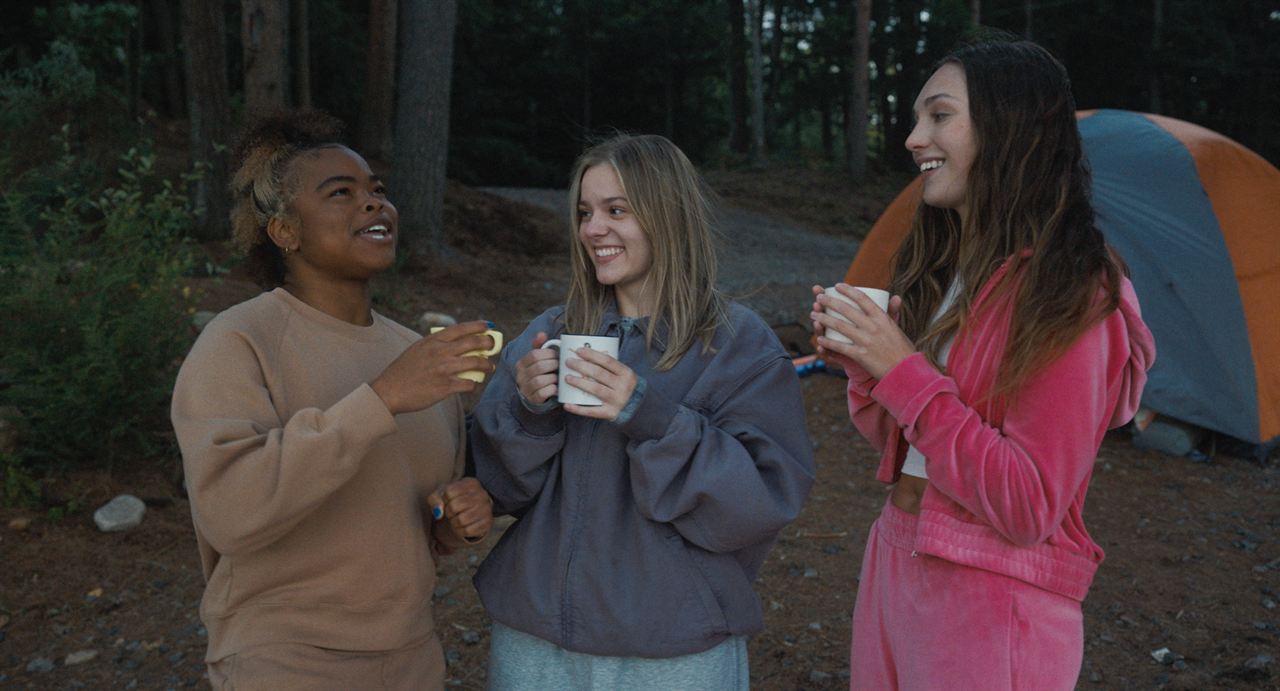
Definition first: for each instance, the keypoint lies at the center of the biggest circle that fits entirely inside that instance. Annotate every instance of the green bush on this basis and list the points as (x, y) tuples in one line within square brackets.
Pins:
[(94, 311)]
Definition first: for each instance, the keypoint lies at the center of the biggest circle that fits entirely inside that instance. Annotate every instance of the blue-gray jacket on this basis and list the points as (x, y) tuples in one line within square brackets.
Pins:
[(644, 538)]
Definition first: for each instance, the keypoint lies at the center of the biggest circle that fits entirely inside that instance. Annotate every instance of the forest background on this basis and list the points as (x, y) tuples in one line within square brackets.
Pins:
[(116, 120)]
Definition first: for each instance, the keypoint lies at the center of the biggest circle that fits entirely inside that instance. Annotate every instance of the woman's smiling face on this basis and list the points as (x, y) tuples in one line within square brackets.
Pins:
[(610, 233), (943, 143), (345, 226)]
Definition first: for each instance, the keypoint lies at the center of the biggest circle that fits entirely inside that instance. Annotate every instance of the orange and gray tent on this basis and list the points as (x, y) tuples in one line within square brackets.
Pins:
[(1196, 216)]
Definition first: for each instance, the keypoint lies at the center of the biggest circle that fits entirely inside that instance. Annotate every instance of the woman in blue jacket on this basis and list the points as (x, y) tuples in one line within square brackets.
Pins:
[(641, 522)]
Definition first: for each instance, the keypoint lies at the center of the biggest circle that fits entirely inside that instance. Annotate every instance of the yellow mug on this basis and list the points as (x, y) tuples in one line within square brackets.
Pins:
[(476, 375)]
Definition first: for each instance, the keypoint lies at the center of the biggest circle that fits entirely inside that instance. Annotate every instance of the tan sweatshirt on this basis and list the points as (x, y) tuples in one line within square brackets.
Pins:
[(308, 496)]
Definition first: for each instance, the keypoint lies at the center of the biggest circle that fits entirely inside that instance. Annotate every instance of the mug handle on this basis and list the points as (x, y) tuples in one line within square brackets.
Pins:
[(497, 342), (552, 343)]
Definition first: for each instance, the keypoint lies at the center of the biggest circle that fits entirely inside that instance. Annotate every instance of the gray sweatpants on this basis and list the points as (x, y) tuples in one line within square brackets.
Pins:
[(520, 662)]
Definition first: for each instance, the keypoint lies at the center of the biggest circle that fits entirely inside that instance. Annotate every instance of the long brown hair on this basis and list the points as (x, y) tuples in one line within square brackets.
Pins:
[(1028, 203), (672, 205)]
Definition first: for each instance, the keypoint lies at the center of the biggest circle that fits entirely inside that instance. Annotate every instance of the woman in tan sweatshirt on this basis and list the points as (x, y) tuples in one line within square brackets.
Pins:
[(323, 443)]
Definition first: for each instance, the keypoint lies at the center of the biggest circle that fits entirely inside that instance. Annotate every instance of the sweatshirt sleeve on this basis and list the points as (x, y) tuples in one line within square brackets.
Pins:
[(512, 445), (1022, 476), (729, 476), (868, 416), (251, 475)]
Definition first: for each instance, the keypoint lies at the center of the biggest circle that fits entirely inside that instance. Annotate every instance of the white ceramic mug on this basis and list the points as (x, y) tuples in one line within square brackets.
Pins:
[(568, 343), (880, 297)]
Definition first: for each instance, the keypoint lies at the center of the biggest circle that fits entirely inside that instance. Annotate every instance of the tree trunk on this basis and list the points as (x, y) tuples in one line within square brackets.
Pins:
[(133, 64), (586, 27), (171, 67), (300, 34), (264, 34), (828, 140), (204, 38), (378, 107), (773, 91), (1028, 10), (975, 12), (757, 84), (422, 121), (860, 95), (739, 134), (669, 97), (1157, 28)]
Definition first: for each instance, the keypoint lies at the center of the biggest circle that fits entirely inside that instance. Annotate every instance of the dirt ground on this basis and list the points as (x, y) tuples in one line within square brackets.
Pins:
[(1193, 549)]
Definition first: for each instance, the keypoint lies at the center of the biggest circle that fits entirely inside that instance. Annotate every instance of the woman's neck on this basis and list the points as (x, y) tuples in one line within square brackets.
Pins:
[(349, 301), (632, 303)]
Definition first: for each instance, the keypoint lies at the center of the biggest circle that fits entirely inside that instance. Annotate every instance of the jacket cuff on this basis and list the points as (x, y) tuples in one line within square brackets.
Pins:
[(535, 420), (860, 381), (909, 386), (651, 417), (637, 396)]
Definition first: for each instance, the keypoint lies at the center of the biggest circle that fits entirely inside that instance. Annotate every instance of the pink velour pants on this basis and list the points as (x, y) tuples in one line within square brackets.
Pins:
[(923, 623)]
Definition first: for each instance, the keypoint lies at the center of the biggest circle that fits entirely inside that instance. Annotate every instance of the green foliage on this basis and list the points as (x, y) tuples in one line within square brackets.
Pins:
[(30, 95), (81, 78), (94, 310), (17, 486), (99, 31)]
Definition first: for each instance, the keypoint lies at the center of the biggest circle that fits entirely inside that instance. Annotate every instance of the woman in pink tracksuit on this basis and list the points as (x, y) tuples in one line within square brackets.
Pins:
[(1012, 342)]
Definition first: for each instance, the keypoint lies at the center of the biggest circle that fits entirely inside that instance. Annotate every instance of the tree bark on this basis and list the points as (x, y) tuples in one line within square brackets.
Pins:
[(133, 64), (773, 90), (171, 69), (204, 56), (975, 12), (757, 84), (1157, 29), (1028, 11), (422, 122), (264, 33), (739, 133), (378, 107), (300, 34), (856, 135), (669, 79)]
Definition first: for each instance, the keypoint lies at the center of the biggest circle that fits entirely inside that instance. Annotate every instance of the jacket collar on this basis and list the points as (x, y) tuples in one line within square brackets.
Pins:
[(613, 323)]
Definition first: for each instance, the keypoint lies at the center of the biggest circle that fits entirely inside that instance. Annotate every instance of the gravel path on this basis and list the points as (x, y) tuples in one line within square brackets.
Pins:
[(767, 264)]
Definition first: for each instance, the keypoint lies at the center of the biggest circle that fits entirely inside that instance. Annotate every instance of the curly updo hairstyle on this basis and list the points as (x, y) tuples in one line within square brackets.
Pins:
[(261, 188)]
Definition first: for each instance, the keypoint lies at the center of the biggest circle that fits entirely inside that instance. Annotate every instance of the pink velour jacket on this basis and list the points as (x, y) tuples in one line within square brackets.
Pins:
[(1007, 481)]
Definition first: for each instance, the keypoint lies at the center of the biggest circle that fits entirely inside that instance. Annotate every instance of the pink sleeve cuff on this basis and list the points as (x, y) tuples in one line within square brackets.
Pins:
[(907, 388)]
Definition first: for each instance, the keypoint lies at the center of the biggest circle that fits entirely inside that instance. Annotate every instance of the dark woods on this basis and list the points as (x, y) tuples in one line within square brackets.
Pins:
[(117, 118), (531, 79)]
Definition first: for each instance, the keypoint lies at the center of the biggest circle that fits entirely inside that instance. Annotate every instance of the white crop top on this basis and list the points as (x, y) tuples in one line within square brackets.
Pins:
[(914, 464)]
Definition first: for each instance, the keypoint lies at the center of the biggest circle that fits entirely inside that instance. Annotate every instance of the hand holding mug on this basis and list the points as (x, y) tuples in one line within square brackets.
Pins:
[(536, 372), (604, 378), (431, 369), (850, 325)]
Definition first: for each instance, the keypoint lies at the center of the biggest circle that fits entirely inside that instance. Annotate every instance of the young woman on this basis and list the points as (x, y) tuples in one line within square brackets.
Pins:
[(641, 522), (323, 443), (1012, 343)]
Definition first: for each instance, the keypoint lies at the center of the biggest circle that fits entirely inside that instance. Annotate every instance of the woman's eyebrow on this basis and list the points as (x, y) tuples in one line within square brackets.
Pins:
[(347, 179)]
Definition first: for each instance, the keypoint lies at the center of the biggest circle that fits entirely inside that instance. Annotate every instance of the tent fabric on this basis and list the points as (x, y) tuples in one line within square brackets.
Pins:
[(1196, 217)]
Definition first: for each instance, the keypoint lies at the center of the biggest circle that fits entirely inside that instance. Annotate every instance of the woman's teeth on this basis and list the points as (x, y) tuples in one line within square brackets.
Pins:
[(608, 251), (930, 165)]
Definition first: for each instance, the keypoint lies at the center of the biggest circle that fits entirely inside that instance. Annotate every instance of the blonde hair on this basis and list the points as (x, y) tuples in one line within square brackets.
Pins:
[(260, 186), (672, 205)]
